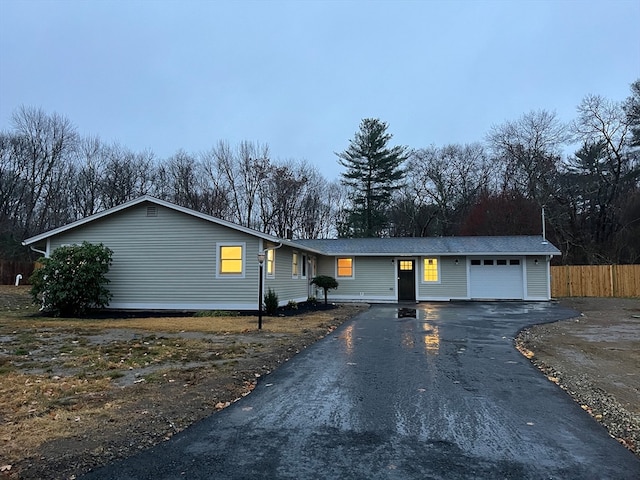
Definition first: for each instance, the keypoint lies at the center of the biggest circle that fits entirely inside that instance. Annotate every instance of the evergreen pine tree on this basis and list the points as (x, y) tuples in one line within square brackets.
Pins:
[(374, 171)]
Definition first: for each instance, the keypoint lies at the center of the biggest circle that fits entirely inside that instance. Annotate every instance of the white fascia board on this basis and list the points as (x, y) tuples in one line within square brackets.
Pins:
[(438, 254)]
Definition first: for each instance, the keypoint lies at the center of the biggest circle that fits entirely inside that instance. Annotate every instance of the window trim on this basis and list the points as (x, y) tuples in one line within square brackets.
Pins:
[(270, 252), (438, 270), (243, 247), (353, 268)]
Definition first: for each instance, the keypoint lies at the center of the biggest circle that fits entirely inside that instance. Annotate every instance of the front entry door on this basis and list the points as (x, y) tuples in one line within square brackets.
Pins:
[(406, 281)]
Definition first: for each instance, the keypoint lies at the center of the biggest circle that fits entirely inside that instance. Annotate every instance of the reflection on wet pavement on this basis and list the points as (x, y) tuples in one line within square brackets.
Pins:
[(347, 336), (431, 338), (406, 313), (423, 328)]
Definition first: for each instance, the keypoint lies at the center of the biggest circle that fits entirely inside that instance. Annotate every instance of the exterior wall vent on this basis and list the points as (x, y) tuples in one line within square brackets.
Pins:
[(152, 211)]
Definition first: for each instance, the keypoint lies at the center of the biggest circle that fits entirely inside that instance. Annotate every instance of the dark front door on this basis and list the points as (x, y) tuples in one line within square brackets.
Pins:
[(406, 281)]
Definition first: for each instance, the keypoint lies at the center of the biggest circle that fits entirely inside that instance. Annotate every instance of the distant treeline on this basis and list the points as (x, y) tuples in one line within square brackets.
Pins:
[(51, 175)]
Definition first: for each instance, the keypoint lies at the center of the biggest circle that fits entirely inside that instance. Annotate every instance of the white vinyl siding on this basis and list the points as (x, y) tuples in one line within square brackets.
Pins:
[(170, 260), (453, 281), (374, 279), (283, 283), (538, 281)]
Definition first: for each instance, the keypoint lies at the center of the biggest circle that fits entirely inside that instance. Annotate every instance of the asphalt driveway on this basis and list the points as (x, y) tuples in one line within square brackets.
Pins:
[(443, 395)]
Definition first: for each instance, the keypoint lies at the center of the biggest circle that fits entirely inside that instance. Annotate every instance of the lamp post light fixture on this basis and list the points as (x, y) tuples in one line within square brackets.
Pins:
[(261, 256)]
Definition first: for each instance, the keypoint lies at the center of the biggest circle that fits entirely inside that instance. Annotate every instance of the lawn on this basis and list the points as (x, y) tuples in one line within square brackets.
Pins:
[(77, 393)]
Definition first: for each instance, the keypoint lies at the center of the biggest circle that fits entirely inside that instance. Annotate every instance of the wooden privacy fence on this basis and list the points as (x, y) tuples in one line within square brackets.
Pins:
[(9, 269), (595, 281)]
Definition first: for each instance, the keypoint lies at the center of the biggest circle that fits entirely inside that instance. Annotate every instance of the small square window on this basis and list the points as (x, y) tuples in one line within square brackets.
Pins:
[(488, 262), (501, 262), (475, 262), (230, 262), (514, 261)]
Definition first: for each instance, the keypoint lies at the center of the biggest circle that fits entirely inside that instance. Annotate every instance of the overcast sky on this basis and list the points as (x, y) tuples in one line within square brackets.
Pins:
[(299, 76)]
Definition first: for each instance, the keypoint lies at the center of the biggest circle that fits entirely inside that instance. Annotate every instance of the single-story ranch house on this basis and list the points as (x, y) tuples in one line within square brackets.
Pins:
[(169, 257)]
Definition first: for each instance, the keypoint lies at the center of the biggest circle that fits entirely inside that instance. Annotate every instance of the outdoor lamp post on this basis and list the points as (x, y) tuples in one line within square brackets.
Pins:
[(261, 262)]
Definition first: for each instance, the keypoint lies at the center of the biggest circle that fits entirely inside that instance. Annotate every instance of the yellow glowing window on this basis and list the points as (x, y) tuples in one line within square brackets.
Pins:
[(406, 265), (271, 258), (295, 269), (430, 270), (345, 267), (231, 259)]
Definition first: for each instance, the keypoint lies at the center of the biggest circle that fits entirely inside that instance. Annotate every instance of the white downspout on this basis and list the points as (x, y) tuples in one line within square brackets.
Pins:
[(544, 228), (44, 254)]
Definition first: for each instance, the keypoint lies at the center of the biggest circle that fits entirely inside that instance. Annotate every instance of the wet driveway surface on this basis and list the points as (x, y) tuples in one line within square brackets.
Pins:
[(435, 392)]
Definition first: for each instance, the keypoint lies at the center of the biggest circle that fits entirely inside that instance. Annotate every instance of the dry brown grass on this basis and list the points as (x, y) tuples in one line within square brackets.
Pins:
[(222, 324), (37, 408), (58, 382)]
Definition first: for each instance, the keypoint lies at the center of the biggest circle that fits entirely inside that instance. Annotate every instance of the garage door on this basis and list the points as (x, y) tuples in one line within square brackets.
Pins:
[(496, 278)]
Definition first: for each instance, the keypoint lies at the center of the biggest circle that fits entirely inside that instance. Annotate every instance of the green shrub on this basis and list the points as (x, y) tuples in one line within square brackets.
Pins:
[(271, 302), (72, 281), (292, 305), (326, 283)]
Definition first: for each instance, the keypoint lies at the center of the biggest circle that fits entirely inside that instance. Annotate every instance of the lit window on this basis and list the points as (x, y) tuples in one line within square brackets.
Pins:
[(231, 260), (271, 263), (430, 270), (295, 269), (345, 267), (406, 264)]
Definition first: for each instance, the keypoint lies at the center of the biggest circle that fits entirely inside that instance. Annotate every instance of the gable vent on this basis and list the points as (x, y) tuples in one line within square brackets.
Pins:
[(152, 211)]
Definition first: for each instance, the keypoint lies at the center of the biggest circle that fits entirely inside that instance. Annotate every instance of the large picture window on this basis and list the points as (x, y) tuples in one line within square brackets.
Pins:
[(430, 272), (231, 260), (344, 268)]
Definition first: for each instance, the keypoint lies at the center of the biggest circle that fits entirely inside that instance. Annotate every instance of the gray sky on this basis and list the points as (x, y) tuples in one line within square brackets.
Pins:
[(299, 76)]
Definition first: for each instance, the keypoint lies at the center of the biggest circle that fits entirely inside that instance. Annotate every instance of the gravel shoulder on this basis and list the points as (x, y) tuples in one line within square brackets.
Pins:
[(595, 358)]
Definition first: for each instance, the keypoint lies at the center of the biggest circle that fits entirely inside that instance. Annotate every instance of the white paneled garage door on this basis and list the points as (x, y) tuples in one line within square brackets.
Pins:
[(496, 278)]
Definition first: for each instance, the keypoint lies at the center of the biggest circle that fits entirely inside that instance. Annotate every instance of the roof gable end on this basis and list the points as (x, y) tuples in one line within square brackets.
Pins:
[(163, 203)]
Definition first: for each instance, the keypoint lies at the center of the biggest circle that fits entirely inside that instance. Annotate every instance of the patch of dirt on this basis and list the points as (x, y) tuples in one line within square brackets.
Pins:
[(77, 394), (595, 357)]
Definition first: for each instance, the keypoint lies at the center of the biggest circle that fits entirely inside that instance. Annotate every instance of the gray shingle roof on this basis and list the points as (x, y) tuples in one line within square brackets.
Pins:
[(503, 245)]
